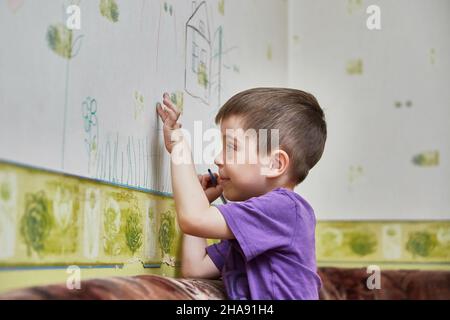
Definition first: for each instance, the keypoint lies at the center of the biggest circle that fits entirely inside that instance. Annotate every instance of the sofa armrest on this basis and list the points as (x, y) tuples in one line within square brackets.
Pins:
[(143, 287)]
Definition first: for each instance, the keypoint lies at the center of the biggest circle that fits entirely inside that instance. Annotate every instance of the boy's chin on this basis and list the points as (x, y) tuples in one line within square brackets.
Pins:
[(229, 195), (233, 195)]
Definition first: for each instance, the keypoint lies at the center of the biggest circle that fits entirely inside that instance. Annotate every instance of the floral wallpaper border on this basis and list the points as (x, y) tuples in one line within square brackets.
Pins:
[(51, 220)]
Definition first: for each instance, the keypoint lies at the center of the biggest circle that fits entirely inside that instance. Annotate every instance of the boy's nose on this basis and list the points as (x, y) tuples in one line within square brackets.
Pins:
[(218, 161)]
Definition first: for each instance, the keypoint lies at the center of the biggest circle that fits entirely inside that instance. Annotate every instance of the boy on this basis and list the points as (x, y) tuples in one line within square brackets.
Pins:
[(268, 246)]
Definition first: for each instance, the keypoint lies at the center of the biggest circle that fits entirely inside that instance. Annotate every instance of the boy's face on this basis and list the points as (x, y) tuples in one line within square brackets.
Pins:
[(240, 166)]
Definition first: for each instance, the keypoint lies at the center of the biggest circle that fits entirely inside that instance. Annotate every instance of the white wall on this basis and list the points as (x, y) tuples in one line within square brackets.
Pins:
[(407, 60), (367, 170), (42, 95)]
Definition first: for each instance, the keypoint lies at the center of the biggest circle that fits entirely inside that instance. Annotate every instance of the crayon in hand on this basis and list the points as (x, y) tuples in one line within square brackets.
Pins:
[(214, 182)]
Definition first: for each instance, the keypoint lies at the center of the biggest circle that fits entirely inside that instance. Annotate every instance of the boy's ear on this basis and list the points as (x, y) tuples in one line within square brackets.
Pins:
[(278, 164)]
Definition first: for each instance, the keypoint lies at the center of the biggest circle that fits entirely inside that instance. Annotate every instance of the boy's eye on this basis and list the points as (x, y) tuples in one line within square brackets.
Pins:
[(230, 146)]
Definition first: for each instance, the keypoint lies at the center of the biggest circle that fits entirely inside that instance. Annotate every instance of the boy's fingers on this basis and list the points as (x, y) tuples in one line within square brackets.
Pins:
[(168, 103), (162, 113), (204, 182), (171, 116)]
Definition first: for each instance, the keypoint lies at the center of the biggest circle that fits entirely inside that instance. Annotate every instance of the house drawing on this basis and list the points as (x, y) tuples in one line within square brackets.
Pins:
[(198, 54)]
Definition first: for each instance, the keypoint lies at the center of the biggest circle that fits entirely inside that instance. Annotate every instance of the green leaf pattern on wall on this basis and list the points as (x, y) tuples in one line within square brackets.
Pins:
[(110, 10)]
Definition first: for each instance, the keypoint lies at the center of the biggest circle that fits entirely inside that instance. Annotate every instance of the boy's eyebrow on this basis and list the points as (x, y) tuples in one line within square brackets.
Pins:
[(235, 140)]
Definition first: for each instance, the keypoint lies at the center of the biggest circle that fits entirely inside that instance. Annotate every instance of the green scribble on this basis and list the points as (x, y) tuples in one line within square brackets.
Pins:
[(166, 232), (427, 159), (362, 243), (355, 172), (222, 7), (353, 5), (165, 6), (5, 191), (138, 104), (36, 223), (421, 243), (133, 230), (59, 39), (202, 76), (433, 56), (110, 10), (177, 98), (355, 67), (269, 52)]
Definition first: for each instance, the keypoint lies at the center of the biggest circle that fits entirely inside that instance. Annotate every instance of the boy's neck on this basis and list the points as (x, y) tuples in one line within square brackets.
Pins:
[(288, 186)]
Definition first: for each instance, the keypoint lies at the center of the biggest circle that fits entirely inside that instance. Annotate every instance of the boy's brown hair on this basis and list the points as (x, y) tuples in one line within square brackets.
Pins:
[(295, 113)]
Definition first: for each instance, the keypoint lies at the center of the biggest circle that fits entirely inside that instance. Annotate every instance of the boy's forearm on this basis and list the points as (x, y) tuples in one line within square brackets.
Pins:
[(190, 199), (193, 253)]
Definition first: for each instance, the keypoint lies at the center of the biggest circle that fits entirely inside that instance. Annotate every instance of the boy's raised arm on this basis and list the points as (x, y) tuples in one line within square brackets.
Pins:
[(195, 215)]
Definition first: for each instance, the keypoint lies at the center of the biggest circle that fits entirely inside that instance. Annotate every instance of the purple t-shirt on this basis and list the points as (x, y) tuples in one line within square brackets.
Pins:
[(273, 255)]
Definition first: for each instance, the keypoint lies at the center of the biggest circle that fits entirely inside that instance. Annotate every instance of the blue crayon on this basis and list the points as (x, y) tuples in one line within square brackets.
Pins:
[(214, 181)]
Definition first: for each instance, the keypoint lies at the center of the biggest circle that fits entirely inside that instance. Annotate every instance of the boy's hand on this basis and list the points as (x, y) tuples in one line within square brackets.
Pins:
[(212, 193), (169, 116)]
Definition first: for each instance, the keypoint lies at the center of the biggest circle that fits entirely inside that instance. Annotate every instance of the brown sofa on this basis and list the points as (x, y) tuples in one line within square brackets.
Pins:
[(338, 284)]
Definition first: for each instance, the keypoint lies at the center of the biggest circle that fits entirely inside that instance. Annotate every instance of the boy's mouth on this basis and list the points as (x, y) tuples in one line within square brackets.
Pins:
[(223, 179)]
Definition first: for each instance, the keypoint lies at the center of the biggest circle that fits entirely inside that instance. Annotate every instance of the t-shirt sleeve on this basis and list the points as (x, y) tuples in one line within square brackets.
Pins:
[(218, 252), (262, 223)]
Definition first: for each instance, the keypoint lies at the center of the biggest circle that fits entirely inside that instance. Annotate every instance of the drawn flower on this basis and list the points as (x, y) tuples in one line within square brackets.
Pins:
[(89, 113)]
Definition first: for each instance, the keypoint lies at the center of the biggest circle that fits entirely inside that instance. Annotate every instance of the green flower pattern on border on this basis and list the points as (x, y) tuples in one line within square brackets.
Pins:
[(133, 230), (362, 243), (37, 222), (166, 231), (421, 243)]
